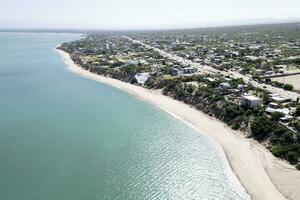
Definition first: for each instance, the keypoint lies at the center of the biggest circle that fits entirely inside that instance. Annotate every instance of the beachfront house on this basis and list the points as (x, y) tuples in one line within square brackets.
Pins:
[(273, 107), (141, 78), (251, 101)]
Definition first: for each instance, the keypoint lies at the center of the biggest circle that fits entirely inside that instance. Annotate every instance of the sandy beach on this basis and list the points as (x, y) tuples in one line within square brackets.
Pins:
[(262, 175)]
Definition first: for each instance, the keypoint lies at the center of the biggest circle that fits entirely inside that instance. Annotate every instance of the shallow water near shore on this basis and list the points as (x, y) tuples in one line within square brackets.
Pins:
[(66, 137)]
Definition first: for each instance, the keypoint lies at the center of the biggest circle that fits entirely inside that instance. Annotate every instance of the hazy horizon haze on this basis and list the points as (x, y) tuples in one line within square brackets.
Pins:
[(143, 14)]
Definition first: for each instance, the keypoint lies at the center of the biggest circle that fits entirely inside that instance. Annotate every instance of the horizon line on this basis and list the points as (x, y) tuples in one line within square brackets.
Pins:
[(86, 30)]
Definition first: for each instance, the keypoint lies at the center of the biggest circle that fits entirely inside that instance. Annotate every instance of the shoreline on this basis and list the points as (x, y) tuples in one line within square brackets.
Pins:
[(262, 175)]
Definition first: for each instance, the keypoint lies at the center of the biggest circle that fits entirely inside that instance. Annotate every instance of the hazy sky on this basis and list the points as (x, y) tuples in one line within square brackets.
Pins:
[(142, 14)]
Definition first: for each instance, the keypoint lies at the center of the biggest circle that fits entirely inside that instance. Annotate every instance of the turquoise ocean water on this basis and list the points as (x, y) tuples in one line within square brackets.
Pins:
[(63, 137)]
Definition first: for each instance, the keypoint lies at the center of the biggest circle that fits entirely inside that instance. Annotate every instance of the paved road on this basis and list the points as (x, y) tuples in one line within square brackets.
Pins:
[(207, 69)]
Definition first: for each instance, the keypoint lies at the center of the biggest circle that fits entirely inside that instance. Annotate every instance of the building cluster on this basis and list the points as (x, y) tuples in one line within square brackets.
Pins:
[(257, 53), (245, 52), (252, 98)]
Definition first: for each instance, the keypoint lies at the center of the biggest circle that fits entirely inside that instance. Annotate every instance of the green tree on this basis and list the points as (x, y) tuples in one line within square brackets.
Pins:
[(279, 151), (261, 127), (288, 87), (232, 111), (275, 116), (297, 113), (293, 157), (296, 124)]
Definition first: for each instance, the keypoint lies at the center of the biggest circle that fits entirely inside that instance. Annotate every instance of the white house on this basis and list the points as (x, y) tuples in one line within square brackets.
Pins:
[(279, 99), (284, 111), (225, 86), (141, 78), (251, 101)]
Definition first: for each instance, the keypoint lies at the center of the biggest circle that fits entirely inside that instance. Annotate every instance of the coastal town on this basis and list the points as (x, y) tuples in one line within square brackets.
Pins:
[(150, 100), (247, 77)]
